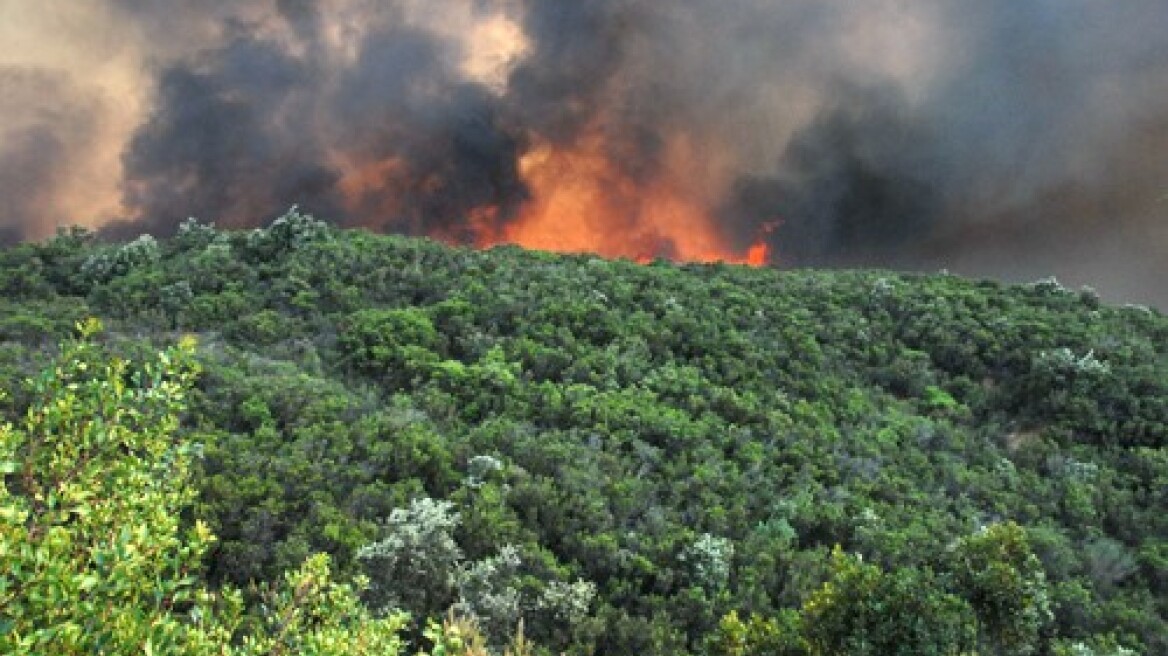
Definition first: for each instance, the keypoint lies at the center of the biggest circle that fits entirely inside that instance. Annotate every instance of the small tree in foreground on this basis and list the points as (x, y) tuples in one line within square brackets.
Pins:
[(93, 554)]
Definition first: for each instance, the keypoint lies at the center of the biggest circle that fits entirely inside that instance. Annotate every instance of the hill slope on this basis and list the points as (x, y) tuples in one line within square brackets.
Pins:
[(691, 440)]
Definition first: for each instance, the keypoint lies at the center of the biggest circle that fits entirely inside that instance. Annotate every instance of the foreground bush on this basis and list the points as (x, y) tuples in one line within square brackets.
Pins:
[(94, 556)]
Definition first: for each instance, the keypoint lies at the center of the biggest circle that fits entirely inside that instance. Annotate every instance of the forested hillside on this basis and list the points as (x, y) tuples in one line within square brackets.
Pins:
[(647, 459)]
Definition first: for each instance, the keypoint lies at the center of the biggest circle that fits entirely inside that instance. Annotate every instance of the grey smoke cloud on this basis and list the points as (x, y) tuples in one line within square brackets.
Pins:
[(270, 112), (1014, 139), (46, 119)]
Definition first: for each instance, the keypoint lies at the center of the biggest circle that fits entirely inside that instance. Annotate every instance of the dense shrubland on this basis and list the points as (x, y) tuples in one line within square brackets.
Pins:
[(650, 459)]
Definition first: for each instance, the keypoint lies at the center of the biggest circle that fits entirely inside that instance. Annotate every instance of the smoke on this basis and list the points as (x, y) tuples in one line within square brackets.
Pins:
[(858, 184), (357, 111), (67, 103), (1003, 138), (34, 152)]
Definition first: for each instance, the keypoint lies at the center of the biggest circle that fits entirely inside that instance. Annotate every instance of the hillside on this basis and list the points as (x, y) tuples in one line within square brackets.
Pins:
[(651, 459)]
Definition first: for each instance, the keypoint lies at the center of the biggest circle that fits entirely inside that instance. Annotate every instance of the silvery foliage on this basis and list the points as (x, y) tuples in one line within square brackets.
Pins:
[(882, 288), (1049, 286), (1136, 307), (289, 232), (485, 592), (1063, 360), (489, 592), (418, 567), (1109, 561), (195, 236), (176, 297), (568, 602), (1080, 649), (109, 264), (709, 559), (1089, 295), (1067, 467), (480, 468), (413, 567)]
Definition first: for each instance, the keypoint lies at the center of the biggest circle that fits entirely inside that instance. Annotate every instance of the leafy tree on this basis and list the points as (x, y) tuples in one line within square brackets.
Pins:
[(413, 566), (395, 345), (862, 609), (93, 555), (758, 636), (996, 571)]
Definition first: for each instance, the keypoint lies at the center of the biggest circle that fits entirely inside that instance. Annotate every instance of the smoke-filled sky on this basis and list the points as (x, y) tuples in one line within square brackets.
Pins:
[(1015, 139)]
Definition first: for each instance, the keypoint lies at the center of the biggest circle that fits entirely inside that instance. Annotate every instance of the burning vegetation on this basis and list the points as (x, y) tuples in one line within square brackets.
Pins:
[(1016, 140)]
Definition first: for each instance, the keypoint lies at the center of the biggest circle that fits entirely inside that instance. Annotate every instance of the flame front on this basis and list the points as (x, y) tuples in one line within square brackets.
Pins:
[(759, 253), (581, 202)]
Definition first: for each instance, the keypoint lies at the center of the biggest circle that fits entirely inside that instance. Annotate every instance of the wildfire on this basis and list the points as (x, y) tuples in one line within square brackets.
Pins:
[(759, 253), (580, 199), (580, 202)]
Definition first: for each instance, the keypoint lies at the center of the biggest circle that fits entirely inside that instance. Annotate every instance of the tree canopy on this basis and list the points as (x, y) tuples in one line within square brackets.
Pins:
[(659, 459)]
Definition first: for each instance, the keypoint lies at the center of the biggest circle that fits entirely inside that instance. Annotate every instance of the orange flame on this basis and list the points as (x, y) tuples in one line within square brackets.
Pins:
[(759, 253), (580, 202)]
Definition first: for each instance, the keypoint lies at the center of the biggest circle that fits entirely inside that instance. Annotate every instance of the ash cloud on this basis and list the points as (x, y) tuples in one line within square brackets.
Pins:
[(239, 129), (45, 122), (225, 140), (1039, 135), (856, 185), (403, 102), (1015, 139)]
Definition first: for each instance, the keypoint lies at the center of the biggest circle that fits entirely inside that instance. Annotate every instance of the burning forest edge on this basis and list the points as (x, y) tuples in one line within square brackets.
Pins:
[(1015, 140)]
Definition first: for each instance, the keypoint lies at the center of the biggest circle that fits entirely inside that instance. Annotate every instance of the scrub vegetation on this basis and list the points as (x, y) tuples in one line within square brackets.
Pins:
[(304, 440)]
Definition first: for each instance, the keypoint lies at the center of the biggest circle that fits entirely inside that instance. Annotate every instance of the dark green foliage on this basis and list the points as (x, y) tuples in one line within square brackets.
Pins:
[(639, 411), (995, 570), (862, 611), (395, 347)]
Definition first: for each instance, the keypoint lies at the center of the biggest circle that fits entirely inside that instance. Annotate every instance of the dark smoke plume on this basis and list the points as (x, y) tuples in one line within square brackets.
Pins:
[(239, 129), (859, 184), (1010, 138)]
